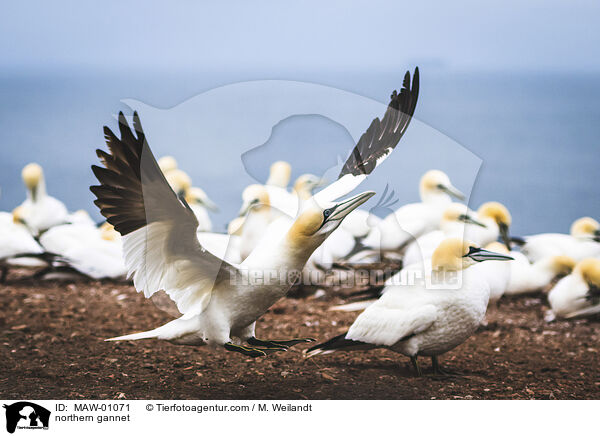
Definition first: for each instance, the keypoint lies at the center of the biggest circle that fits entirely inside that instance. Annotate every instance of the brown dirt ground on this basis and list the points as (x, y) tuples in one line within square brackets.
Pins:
[(51, 334)]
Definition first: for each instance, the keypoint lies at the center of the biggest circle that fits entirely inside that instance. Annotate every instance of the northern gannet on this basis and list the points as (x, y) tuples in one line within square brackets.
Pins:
[(220, 302), (94, 252), (15, 240), (528, 277), (583, 242), (40, 211), (413, 220), (577, 294), (496, 219), (200, 205), (279, 174), (497, 274), (420, 320), (196, 198), (167, 163), (455, 218)]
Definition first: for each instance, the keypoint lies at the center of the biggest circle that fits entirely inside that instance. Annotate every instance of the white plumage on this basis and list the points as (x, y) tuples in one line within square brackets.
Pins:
[(577, 294), (428, 318)]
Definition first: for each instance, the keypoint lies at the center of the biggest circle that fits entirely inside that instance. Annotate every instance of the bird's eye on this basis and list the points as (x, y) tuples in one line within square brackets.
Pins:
[(255, 201), (326, 213), (472, 250)]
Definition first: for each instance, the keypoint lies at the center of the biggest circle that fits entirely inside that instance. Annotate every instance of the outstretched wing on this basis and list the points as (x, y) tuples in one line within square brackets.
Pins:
[(160, 246), (375, 145)]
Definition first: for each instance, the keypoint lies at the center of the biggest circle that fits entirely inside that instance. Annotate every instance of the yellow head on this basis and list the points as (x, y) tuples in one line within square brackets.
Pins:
[(255, 197), (315, 223), (195, 195), (180, 182), (32, 174), (562, 265), (495, 211), (435, 182), (589, 270), (497, 247), (18, 215), (167, 163), (585, 227), (108, 232), (280, 173), (454, 254), (304, 185)]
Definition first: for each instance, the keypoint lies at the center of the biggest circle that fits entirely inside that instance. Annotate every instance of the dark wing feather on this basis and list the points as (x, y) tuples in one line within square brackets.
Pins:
[(383, 135), (133, 194)]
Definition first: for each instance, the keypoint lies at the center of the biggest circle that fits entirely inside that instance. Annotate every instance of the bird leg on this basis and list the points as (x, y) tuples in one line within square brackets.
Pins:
[(439, 371), (252, 351), (278, 344), (246, 351), (415, 363)]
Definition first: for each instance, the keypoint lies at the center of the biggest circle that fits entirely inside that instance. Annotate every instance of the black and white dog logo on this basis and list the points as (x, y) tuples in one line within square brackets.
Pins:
[(26, 415)]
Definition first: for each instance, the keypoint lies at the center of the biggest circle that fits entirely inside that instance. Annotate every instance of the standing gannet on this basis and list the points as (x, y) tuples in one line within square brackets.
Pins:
[(279, 174), (577, 294), (40, 211), (496, 219), (584, 241), (528, 277), (220, 302), (413, 220), (424, 320)]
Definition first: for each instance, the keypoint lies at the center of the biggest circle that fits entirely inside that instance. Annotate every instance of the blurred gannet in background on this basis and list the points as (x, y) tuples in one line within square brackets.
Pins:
[(196, 198), (279, 174), (15, 240), (200, 204), (421, 321), (528, 277), (454, 219), (80, 217), (584, 241), (415, 219), (496, 220), (167, 163), (219, 301), (577, 294), (497, 274), (40, 211), (94, 252)]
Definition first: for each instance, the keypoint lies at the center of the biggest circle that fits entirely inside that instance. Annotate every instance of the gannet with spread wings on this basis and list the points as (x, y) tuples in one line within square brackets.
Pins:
[(221, 302)]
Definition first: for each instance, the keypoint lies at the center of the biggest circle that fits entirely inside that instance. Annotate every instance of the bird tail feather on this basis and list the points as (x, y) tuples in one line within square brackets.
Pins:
[(338, 343)]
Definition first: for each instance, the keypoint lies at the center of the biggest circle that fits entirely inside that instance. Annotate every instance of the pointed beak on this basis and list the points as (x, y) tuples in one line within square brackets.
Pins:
[(504, 235), (343, 208), (244, 209), (452, 191), (469, 220), (209, 204), (480, 255)]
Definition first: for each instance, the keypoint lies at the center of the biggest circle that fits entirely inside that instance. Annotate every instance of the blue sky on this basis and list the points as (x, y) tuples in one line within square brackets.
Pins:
[(536, 35)]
